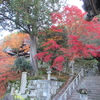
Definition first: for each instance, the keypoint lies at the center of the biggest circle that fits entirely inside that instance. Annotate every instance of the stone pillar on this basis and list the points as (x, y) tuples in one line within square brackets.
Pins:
[(83, 97), (76, 80), (49, 91), (70, 91), (9, 86), (82, 72), (65, 96), (49, 86), (73, 85), (23, 82), (12, 89)]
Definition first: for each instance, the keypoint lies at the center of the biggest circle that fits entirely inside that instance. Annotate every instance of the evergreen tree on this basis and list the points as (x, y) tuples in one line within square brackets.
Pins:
[(29, 16)]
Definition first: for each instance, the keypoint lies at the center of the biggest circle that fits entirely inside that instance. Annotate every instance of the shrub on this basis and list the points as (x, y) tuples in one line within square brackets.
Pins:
[(22, 64)]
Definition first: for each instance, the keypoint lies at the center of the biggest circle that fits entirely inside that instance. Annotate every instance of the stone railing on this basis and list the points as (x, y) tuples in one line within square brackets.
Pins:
[(68, 91)]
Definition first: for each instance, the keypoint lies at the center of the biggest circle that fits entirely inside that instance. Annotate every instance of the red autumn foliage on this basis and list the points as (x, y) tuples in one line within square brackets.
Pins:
[(6, 74), (18, 43), (79, 34), (71, 18), (56, 29), (50, 53), (51, 45), (47, 58), (58, 62), (40, 55), (77, 49)]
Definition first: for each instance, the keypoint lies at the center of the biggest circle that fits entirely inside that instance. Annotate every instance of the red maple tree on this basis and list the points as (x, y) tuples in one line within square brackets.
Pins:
[(79, 33), (6, 73)]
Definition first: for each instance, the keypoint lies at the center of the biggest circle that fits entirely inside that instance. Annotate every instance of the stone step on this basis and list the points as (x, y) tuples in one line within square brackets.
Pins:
[(92, 83), (92, 78)]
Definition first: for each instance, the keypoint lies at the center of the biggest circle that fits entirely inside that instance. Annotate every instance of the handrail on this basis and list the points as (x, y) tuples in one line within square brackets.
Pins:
[(70, 88)]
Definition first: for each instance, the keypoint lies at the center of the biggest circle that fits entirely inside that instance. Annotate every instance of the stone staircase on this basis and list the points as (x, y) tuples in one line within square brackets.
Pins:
[(92, 84)]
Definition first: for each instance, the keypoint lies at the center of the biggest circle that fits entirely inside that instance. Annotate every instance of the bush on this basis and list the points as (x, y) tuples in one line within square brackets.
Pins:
[(34, 78), (22, 64)]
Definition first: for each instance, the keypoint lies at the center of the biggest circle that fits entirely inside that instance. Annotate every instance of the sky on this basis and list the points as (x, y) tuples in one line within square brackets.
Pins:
[(4, 33), (70, 2), (77, 3)]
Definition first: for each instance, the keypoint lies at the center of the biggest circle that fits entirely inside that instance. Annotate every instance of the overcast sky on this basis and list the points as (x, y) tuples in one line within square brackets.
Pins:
[(71, 2), (78, 3)]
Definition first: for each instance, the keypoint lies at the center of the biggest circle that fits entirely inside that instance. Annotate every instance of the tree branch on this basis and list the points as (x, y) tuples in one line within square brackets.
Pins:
[(15, 23)]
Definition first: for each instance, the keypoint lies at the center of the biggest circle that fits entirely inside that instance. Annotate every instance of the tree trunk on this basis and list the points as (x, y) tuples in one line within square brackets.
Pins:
[(33, 52)]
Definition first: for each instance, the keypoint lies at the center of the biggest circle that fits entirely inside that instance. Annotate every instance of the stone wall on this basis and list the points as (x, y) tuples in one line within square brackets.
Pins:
[(90, 69), (8, 97), (36, 89)]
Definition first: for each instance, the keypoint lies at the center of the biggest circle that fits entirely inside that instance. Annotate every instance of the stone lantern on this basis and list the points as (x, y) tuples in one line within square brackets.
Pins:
[(49, 73)]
